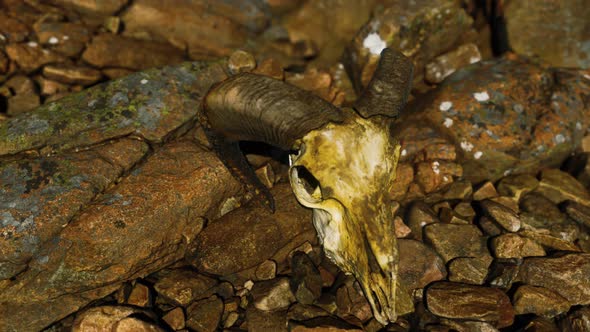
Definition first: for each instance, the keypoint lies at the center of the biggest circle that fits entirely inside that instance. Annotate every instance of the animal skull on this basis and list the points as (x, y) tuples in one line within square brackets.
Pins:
[(344, 172), (344, 168)]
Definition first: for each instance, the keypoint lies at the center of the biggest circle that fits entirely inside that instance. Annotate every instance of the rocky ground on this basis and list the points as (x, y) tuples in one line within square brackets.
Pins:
[(118, 217)]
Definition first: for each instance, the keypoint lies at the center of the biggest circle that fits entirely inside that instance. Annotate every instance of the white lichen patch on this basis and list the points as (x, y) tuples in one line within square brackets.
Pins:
[(32, 44), (481, 96), (477, 154), (507, 172), (53, 40), (578, 126), (435, 165), (143, 81), (374, 43), (65, 37), (559, 139), (404, 152), (466, 146), (474, 59), (2, 37), (448, 122), (445, 106), (587, 76)]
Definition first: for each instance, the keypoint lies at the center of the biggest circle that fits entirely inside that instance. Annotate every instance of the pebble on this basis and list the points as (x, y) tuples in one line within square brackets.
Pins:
[(470, 302), (446, 64), (265, 321), (576, 321), (550, 241), (270, 295), (351, 301), (418, 215), (453, 240), (488, 226), (266, 175), (29, 58), (504, 216), (516, 186), (515, 246), (184, 286), (266, 270), (578, 212), (112, 318), (486, 190), (306, 281), (469, 270), (69, 74), (140, 296), (204, 315), (565, 274), (241, 61), (559, 186), (539, 301), (175, 318)]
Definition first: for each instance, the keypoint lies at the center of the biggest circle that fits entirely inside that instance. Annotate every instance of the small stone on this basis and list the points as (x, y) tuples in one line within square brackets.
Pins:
[(550, 241), (72, 74), (419, 215), (112, 24), (503, 273), (50, 87), (487, 190), (23, 103), (453, 240), (515, 246), (566, 274), (516, 186), (576, 321), (559, 186), (302, 312), (578, 212), (108, 50), (21, 84), (488, 226), (65, 38), (140, 295), (323, 324), (175, 318), (31, 58), (183, 286), (419, 265), (266, 321), (12, 29), (205, 315), (507, 202), (435, 175), (266, 175), (272, 294), (350, 300), (446, 64), (108, 318), (306, 281), (448, 215), (470, 302), (469, 270), (539, 301), (231, 319), (465, 211), (266, 270), (504, 216), (543, 210), (132, 324), (271, 68), (401, 229), (540, 324), (241, 61)]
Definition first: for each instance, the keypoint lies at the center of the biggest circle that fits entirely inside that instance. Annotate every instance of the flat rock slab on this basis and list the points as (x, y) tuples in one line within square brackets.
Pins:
[(462, 301), (566, 275)]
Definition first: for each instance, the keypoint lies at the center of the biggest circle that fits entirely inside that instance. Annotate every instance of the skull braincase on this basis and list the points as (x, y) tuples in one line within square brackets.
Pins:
[(344, 172)]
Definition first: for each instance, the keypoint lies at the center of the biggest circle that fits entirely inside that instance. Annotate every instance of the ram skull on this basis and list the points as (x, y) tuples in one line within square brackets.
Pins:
[(343, 166)]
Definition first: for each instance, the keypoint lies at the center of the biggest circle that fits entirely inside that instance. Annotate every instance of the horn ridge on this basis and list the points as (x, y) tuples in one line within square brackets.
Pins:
[(389, 88)]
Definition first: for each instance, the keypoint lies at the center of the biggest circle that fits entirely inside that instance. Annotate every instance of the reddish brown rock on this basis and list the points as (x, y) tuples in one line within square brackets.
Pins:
[(434, 175), (419, 265), (11, 29), (31, 56), (539, 301), (469, 270), (419, 215), (175, 318), (350, 300), (245, 238), (576, 321), (108, 50), (205, 29), (462, 301), (140, 296), (72, 74), (529, 34), (454, 240), (566, 275), (272, 295), (205, 315), (487, 190), (515, 246), (64, 37), (112, 318)]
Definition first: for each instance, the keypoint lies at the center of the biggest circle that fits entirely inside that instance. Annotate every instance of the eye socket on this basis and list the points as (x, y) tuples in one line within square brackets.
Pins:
[(306, 184)]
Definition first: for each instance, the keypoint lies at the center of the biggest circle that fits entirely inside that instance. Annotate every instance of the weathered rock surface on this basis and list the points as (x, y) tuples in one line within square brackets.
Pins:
[(538, 300), (515, 246), (272, 295), (566, 275), (453, 240), (419, 265), (205, 315), (184, 286), (461, 301), (245, 238), (108, 50), (112, 318), (531, 25), (31, 56)]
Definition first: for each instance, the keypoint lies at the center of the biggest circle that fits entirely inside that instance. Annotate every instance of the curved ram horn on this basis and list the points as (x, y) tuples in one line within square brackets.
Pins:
[(387, 92), (258, 108), (249, 107)]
